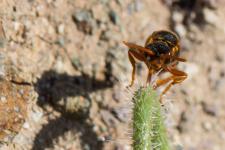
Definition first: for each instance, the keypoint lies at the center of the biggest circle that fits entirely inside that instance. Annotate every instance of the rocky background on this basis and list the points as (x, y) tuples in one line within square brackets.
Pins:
[(64, 72)]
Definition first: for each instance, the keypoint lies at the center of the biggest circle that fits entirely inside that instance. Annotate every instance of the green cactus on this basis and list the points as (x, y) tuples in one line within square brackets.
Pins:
[(149, 132)]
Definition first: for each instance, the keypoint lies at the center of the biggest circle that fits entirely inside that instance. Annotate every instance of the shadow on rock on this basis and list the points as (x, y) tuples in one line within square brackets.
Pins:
[(57, 127), (192, 11), (68, 95)]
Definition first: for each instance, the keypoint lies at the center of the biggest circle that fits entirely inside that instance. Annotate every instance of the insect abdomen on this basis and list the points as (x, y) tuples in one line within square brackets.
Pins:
[(166, 36), (159, 48)]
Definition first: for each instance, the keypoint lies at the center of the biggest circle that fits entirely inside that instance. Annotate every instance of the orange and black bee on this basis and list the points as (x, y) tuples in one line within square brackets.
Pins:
[(160, 53)]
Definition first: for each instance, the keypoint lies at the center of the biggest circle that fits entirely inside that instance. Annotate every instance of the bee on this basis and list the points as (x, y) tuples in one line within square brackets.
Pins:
[(160, 53)]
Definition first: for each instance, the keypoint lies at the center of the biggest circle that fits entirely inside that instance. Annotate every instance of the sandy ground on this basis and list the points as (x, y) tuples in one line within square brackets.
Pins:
[(67, 61)]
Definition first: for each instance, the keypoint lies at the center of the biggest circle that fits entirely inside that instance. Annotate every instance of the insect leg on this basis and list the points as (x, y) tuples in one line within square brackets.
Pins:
[(176, 72), (176, 58), (180, 59), (150, 72), (131, 55), (140, 48), (132, 61), (160, 82), (177, 77)]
